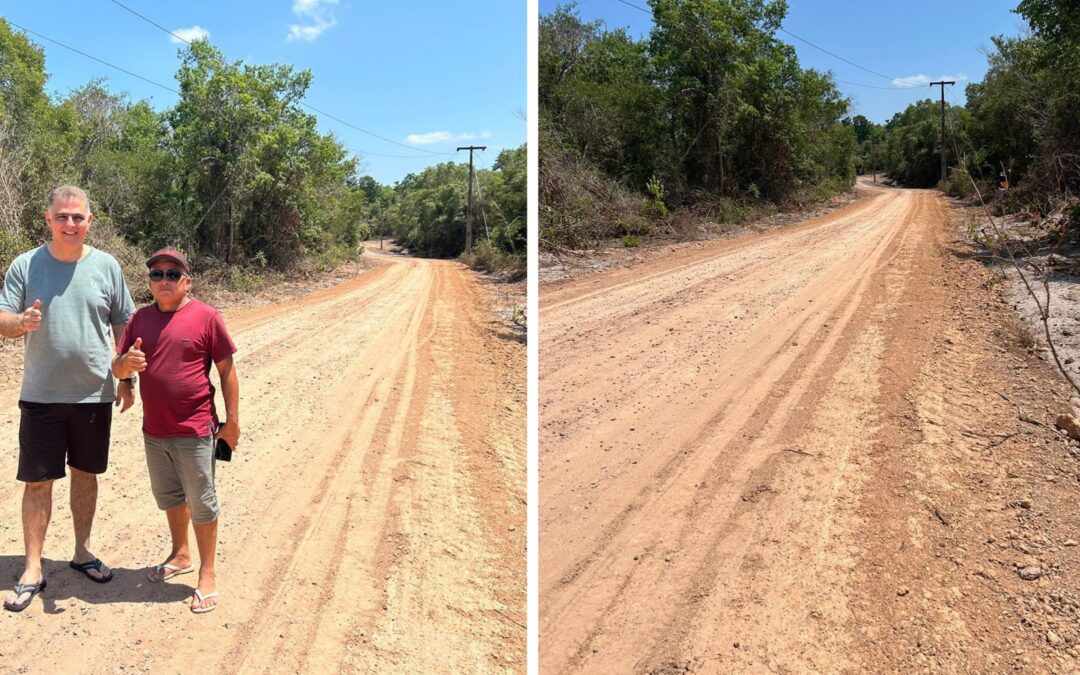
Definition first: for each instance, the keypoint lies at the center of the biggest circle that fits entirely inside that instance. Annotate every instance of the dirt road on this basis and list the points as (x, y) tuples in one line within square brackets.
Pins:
[(373, 516), (803, 451)]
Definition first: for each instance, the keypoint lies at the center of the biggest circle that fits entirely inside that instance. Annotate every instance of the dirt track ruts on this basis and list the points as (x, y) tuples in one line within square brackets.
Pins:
[(373, 516), (722, 427)]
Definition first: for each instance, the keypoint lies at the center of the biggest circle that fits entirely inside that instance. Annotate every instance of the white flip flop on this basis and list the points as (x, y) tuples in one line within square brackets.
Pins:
[(202, 598), (169, 571)]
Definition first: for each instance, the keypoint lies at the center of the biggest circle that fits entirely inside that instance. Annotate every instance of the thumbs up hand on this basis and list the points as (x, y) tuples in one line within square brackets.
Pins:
[(134, 358), (31, 318)]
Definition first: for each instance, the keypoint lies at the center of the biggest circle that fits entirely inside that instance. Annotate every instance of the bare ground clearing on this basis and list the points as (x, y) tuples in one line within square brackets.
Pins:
[(373, 516), (826, 448)]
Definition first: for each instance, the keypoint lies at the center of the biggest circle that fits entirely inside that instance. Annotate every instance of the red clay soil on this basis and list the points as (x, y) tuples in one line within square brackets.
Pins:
[(373, 513), (825, 448)]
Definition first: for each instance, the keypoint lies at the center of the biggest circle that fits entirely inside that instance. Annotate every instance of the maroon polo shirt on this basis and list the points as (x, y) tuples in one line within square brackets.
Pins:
[(178, 399)]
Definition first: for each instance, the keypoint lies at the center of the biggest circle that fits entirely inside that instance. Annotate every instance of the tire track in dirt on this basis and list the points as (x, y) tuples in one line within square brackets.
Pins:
[(344, 394), (654, 553)]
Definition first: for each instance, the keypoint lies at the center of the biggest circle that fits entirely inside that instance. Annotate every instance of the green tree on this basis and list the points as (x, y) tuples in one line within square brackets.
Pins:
[(509, 197), (24, 121), (429, 213), (256, 179)]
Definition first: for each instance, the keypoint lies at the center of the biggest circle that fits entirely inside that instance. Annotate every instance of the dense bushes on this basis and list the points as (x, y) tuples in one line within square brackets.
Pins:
[(1022, 119), (236, 173), (711, 104), (426, 212)]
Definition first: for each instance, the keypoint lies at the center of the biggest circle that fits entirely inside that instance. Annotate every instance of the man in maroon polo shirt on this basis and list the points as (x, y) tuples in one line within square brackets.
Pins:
[(172, 344)]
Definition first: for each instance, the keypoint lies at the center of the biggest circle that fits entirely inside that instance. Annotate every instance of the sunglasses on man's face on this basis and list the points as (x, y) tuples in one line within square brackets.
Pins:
[(171, 275)]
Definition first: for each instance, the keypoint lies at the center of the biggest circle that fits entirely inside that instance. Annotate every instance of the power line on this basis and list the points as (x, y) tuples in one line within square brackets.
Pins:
[(837, 56), (174, 91), (873, 86), (93, 58), (630, 4), (309, 107), (353, 126), (152, 22)]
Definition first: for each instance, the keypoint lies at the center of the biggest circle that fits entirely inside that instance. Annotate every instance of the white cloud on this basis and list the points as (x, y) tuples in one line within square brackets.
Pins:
[(319, 11), (311, 7), (308, 33), (443, 136), (468, 136), (921, 80), (431, 137), (181, 35)]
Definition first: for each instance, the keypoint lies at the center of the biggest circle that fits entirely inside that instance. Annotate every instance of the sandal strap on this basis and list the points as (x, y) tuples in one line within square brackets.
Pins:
[(95, 564)]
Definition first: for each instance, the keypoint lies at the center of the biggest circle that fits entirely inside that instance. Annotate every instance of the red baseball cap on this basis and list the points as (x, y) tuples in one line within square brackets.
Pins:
[(170, 253)]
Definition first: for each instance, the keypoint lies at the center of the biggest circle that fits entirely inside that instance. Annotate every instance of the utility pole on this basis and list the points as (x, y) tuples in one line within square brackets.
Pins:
[(943, 83), (468, 212), (873, 160)]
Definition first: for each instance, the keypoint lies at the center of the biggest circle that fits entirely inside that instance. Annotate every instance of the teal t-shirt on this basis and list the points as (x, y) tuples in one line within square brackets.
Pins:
[(69, 358)]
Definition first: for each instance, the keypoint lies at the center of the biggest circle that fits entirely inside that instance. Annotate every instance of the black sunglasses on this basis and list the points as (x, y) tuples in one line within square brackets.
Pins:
[(171, 275)]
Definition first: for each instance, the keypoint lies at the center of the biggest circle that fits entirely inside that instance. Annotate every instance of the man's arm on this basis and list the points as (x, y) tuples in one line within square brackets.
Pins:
[(230, 391), (131, 361), (125, 391), (118, 331), (120, 369), (13, 325)]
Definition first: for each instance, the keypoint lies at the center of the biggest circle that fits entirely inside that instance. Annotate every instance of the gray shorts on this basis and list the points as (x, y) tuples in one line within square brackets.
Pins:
[(182, 470)]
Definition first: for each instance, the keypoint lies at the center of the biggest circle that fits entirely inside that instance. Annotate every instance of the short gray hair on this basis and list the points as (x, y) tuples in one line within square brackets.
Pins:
[(68, 192)]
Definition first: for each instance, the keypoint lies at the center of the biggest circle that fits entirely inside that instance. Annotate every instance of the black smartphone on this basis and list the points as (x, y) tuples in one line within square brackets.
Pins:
[(222, 451)]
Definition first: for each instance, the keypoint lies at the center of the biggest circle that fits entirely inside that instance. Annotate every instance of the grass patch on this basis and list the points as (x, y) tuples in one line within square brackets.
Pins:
[(486, 257)]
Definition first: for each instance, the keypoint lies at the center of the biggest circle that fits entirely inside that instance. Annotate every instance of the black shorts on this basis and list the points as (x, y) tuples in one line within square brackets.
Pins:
[(49, 433)]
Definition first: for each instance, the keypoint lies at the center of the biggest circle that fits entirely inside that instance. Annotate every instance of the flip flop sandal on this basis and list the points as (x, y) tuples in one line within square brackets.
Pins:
[(165, 571), (85, 568), (202, 598), (32, 589)]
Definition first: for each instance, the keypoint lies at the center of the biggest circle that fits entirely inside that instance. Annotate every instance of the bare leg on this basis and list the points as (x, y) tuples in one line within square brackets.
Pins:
[(206, 539), (179, 518), (36, 511), (84, 491)]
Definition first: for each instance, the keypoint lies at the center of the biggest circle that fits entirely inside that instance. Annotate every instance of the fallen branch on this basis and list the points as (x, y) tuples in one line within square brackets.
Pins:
[(1044, 306), (1024, 418), (937, 514), (1004, 437)]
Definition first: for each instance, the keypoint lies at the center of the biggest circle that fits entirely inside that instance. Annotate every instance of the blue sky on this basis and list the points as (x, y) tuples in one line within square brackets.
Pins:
[(911, 42), (425, 73)]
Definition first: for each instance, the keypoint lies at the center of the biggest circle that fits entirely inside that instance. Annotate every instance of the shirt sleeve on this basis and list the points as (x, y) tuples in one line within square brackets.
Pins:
[(122, 306), (221, 345), (13, 297)]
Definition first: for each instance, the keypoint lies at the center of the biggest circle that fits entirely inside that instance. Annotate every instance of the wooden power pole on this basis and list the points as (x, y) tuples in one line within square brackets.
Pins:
[(943, 83), (468, 212)]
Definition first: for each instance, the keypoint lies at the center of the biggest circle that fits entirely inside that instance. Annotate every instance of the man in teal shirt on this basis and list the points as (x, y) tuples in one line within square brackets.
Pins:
[(69, 302)]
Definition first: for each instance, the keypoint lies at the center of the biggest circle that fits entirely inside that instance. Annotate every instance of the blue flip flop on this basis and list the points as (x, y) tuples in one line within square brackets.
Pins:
[(85, 568), (32, 589)]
